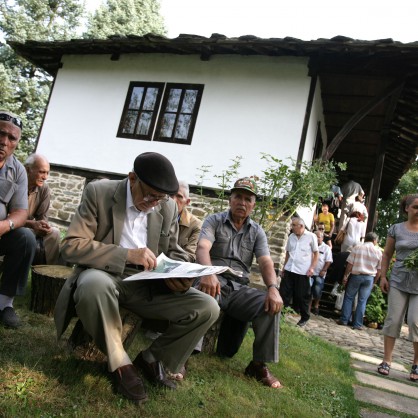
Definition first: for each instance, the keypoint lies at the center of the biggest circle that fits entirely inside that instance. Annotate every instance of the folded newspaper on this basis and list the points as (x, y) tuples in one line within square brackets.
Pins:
[(168, 268)]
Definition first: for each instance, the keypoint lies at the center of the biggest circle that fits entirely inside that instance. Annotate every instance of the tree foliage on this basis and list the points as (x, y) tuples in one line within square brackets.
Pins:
[(126, 17), (283, 187), (388, 211), (24, 87)]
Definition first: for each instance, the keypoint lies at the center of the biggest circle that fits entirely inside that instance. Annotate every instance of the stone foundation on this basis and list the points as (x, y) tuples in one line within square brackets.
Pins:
[(67, 190)]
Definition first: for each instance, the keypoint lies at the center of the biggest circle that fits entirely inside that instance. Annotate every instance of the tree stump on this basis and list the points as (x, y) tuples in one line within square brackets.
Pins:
[(211, 336), (47, 282), (83, 347)]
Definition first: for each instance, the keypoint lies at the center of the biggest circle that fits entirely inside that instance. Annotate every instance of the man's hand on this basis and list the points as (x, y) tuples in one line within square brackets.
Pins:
[(178, 285), (384, 284), (274, 302), (41, 228), (210, 285), (142, 257)]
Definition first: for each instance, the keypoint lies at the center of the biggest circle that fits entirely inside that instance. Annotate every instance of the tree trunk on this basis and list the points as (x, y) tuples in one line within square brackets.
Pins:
[(81, 343), (47, 282), (211, 336)]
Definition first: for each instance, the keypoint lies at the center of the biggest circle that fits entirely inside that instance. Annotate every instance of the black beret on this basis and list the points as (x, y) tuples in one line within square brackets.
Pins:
[(157, 172)]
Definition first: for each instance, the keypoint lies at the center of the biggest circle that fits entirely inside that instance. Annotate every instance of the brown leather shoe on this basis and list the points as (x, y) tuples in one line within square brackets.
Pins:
[(261, 373), (129, 384), (154, 372)]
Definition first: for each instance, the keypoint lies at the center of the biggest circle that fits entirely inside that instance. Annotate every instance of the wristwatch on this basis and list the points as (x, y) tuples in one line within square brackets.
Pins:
[(11, 224), (273, 285)]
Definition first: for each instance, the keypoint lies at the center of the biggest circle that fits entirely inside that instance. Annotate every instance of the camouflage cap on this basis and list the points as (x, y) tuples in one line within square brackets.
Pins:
[(246, 183)]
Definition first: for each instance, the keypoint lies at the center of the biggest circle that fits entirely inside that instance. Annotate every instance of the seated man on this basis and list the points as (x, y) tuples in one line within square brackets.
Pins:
[(189, 225), (17, 244), (231, 239), (189, 230), (119, 228), (39, 196)]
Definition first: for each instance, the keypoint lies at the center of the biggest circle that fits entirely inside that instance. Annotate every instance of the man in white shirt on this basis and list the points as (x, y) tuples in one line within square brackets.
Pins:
[(320, 271), (300, 262)]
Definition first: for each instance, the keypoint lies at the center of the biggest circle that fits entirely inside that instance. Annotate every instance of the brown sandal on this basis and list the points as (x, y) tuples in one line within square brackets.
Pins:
[(261, 373), (180, 375)]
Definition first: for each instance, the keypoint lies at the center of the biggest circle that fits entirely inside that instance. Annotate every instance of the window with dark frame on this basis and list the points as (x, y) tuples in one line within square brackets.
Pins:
[(164, 112)]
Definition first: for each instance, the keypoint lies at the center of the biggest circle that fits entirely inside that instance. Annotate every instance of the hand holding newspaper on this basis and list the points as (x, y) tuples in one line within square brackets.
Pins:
[(168, 268)]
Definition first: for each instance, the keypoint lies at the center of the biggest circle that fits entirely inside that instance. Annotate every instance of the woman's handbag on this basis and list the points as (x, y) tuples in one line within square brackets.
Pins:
[(340, 236), (339, 239)]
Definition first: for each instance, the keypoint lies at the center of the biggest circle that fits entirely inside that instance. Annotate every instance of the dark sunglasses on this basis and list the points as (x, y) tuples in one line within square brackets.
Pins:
[(16, 121)]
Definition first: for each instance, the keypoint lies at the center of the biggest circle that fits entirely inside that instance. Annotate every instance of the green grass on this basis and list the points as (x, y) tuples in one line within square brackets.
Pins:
[(40, 378)]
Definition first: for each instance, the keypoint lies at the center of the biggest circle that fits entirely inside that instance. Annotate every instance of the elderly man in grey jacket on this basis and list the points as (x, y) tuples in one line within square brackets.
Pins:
[(119, 229)]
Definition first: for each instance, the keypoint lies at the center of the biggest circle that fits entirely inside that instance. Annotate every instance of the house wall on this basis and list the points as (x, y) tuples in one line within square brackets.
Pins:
[(249, 105)]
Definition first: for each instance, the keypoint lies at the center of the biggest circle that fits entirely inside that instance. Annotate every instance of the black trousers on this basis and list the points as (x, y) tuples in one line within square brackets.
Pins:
[(18, 248), (297, 288)]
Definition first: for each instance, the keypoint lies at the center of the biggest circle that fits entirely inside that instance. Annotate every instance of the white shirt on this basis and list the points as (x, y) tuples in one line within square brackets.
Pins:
[(134, 232), (325, 256), (301, 252)]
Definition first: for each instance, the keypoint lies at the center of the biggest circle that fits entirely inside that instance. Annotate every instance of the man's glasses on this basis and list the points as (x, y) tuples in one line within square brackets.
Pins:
[(16, 121), (321, 229), (152, 198)]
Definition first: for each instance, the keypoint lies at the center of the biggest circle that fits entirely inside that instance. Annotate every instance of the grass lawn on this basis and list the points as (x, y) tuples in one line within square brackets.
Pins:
[(40, 378)]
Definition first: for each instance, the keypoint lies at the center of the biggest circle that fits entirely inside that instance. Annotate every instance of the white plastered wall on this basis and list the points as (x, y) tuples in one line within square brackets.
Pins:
[(249, 105)]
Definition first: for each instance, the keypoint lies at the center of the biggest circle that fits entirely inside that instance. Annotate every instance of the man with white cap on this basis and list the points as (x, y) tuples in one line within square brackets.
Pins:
[(119, 229)]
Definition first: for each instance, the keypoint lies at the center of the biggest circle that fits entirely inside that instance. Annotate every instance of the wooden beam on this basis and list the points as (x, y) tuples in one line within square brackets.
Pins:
[(394, 88), (306, 121), (380, 161)]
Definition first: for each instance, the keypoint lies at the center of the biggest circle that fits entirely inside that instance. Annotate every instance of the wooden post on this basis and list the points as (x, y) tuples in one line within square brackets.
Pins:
[(47, 282)]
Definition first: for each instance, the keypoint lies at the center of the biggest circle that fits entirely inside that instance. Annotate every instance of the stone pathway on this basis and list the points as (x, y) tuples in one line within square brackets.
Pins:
[(396, 393)]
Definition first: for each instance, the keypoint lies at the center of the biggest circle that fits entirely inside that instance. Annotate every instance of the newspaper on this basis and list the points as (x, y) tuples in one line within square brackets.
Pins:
[(168, 268)]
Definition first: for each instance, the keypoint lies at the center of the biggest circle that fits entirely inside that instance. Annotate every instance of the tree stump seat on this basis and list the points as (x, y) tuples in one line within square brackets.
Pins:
[(83, 346), (47, 282)]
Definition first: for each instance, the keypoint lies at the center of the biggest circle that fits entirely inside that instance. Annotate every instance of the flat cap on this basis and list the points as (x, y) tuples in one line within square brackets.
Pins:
[(157, 172)]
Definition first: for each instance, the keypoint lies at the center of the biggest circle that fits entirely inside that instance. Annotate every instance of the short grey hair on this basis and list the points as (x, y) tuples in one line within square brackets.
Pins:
[(183, 184), (33, 159), (298, 220), (371, 237)]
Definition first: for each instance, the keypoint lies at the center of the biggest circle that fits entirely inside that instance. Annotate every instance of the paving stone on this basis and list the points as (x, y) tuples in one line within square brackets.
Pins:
[(402, 376), (366, 413), (386, 400), (387, 384), (373, 360)]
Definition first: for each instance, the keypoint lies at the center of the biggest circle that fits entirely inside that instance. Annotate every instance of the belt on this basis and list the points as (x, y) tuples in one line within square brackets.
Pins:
[(134, 267)]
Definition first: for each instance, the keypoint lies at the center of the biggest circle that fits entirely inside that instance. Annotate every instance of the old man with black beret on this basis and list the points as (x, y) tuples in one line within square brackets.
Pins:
[(119, 229)]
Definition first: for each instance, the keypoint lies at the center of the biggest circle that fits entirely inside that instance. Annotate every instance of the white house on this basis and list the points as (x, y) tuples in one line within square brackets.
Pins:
[(204, 101)]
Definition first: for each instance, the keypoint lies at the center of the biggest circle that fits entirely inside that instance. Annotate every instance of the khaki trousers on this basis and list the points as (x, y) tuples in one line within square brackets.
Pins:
[(99, 295)]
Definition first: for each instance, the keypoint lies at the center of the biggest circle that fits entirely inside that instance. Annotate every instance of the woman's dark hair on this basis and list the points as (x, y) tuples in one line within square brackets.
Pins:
[(406, 201), (358, 215)]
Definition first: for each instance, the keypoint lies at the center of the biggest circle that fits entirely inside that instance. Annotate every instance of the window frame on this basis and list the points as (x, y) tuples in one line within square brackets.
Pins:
[(148, 137), (184, 87), (159, 113)]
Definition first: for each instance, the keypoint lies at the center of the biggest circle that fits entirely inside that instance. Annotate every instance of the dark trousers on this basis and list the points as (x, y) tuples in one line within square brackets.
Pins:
[(297, 288), (241, 305), (18, 248)]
